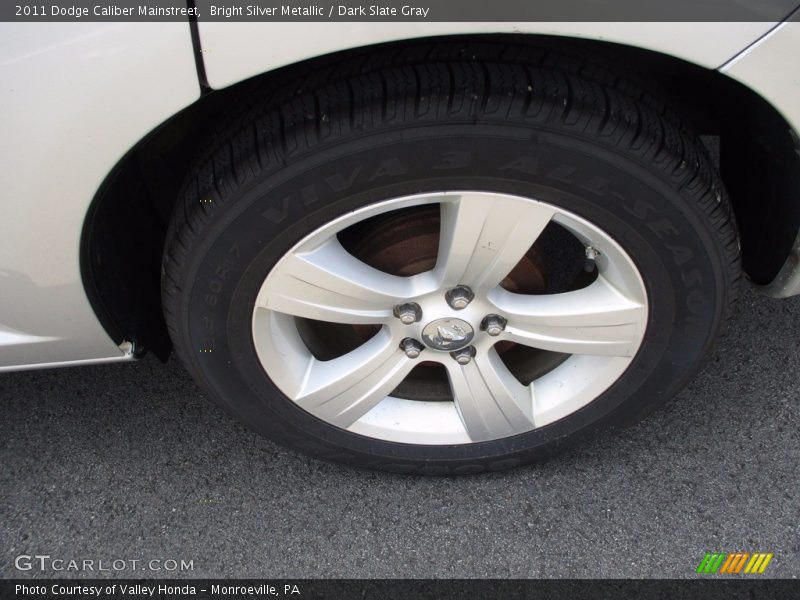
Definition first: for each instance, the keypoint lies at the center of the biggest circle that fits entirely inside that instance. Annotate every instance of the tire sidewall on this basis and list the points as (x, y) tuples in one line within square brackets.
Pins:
[(638, 205)]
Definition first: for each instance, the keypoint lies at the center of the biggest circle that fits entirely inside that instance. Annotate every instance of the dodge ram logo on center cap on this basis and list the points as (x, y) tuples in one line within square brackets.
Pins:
[(447, 334)]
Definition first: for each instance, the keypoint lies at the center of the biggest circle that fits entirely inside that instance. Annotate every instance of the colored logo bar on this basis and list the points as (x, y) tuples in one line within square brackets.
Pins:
[(734, 562)]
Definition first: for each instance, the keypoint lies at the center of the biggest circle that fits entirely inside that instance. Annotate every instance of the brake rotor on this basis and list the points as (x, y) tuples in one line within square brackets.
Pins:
[(406, 243)]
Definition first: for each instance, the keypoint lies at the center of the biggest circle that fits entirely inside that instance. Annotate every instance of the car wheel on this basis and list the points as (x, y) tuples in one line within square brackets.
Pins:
[(451, 265)]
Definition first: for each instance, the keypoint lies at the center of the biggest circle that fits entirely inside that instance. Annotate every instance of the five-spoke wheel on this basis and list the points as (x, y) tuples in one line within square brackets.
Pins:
[(448, 257), (456, 314)]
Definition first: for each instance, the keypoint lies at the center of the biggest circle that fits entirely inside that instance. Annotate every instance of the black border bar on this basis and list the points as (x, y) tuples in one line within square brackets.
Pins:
[(707, 588), (395, 10)]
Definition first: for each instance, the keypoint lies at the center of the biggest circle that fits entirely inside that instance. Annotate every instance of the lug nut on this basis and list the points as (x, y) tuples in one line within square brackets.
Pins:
[(493, 324), (459, 297), (408, 313), (411, 347), (464, 355)]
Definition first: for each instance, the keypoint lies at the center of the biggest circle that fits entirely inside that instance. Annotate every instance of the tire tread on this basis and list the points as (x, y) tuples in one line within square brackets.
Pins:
[(423, 82)]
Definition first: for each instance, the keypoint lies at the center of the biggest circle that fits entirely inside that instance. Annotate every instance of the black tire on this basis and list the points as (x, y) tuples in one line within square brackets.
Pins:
[(492, 117)]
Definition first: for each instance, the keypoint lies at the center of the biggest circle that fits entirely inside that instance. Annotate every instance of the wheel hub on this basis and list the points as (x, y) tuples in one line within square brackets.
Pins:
[(448, 334)]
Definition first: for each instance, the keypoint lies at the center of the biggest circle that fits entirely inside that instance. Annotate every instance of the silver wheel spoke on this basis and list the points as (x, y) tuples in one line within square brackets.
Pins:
[(491, 402), (330, 284), (481, 240), (596, 320), (344, 389)]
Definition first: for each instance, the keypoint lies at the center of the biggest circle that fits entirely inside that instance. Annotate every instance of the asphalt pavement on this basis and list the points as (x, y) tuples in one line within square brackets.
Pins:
[(131, 462)]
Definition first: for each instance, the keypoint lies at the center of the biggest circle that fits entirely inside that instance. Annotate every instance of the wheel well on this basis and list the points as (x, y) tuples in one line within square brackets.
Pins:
[(755, 149)]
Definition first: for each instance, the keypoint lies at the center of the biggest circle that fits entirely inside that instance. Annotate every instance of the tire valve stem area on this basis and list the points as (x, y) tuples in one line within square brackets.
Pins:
[(590, 263)]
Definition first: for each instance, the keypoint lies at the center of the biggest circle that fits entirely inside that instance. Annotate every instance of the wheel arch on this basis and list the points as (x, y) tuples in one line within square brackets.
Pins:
[(124, 230)]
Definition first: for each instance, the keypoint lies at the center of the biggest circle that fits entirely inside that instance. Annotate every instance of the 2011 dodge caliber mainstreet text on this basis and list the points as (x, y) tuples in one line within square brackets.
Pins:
[(408, 245)]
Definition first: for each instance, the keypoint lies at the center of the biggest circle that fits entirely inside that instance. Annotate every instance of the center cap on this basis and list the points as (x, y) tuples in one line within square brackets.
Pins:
[(447, 334)]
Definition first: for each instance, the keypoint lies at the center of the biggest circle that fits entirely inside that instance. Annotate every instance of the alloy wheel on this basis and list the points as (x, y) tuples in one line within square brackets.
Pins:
[(458, 315)]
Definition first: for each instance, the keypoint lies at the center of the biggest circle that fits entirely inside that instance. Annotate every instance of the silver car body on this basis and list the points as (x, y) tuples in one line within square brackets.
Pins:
[(77, 97)]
